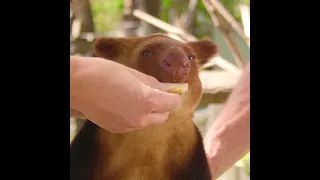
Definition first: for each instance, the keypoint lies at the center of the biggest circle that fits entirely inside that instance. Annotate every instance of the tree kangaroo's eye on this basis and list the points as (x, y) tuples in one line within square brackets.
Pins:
[(147, 53), (191, 58)]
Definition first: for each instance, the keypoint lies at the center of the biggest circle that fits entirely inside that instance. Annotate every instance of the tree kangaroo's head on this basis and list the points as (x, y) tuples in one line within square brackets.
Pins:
[(157, 55)]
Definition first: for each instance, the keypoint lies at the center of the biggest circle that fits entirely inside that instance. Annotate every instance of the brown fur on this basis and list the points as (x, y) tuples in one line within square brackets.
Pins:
[(169, 151)]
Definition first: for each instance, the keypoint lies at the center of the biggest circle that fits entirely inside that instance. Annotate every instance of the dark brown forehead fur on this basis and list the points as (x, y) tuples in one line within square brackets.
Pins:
[(123, 49), (162, 42)]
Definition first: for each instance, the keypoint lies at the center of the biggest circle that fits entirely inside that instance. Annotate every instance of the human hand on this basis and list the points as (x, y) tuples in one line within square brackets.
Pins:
[(117, 98)]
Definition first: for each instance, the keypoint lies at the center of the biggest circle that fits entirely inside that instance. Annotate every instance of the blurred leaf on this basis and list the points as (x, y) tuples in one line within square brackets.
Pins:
[(166, 3), (246, 157), (246, 163), (231, 6), (201, 6), (247, 2), (106, 14), (164, 10), (247, 169), (71, 138), (120, 5)]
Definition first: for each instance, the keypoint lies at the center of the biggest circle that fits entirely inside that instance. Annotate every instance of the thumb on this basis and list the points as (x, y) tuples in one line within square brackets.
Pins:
[(162, 101), (149, 80)]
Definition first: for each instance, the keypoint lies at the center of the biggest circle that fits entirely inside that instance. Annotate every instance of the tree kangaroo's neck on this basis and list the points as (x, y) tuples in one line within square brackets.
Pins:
[(151, 137), (154, 147)]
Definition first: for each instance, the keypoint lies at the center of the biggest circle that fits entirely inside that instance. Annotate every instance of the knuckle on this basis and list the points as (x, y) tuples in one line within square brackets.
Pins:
[(149, 104), (143, 123), (139, 123), (154, 80), (134, 122)]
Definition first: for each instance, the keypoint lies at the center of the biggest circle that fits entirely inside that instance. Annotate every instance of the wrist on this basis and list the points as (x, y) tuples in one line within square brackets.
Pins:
[(228, 140), (76, 64)]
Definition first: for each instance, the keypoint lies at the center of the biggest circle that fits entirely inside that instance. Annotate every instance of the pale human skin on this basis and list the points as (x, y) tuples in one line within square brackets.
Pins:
[(131, 100), (228, 139)]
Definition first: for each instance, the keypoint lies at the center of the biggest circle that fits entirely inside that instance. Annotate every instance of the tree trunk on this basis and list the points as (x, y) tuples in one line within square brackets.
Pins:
[(152, 8), (82, 25), (189, 18), (185, 19), (129, 24)]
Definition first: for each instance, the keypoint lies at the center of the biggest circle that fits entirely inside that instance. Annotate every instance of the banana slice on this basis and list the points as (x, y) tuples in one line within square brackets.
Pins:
[(177, 87)]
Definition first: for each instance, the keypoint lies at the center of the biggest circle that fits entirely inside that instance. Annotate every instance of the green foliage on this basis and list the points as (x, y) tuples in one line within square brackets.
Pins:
[(201, 7), (247, 2), (246, 163), (164, 10), (231, 6), (204, 21), (106, 14), (247, 169), (166, 4)]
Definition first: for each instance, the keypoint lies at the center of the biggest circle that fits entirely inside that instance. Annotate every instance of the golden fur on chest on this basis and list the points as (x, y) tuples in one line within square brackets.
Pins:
[(140, 154)]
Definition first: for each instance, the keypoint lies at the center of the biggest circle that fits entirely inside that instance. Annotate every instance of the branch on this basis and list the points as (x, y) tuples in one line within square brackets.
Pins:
[(162, 25), (174, 17), (174, 36), (234, 49), (76, 28), (225, 65), (222, 81), (229, 18), (188, 18), (226, 35), (245, 16)]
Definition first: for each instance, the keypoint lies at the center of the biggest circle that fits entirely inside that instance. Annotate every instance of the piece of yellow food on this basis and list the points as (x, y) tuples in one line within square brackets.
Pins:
[(177, 90), (177, 87)]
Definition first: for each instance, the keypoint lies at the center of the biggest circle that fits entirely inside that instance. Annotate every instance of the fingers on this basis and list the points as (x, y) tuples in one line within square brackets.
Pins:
[(117, 126), (149, 80), (155, 94), (147, 120), (160, 102), (154, 118), (115, 123)]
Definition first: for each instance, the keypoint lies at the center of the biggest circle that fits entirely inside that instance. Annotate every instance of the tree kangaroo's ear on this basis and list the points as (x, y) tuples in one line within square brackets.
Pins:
[(109, 48), (204, 49)]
